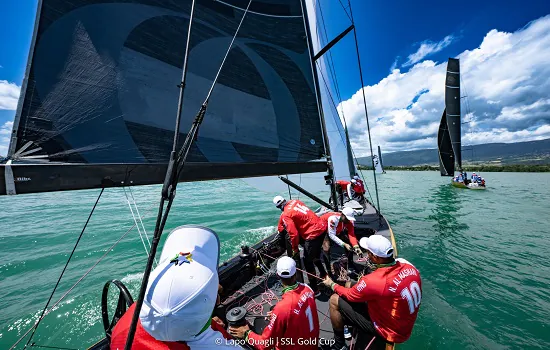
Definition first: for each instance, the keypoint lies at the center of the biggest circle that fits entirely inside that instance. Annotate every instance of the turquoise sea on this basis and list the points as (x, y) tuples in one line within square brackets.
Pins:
[(483, 255)]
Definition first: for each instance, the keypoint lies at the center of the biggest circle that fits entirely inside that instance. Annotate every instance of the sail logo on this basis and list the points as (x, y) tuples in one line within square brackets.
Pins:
[(22, 179)]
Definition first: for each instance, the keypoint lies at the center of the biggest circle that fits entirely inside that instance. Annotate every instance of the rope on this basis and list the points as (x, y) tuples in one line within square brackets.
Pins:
[(139, 216), (370, 343), (35, 327)]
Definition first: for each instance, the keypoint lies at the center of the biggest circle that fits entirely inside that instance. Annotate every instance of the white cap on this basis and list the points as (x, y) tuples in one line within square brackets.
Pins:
[(278, 200), (377, 245), (349, 213), (182, 289), (286, 267), (353, 181), (356, 177)]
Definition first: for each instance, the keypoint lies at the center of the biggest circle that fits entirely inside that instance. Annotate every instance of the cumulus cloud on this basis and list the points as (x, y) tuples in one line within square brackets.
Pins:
[(9, 94), (506, 79), (427, 48), (5, 132)]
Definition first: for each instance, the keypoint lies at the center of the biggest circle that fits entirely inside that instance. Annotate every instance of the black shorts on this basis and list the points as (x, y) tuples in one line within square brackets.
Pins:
[(357, 315)]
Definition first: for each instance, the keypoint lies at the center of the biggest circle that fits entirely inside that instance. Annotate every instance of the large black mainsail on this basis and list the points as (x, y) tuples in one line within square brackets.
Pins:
[(449, 143), (98, 100)]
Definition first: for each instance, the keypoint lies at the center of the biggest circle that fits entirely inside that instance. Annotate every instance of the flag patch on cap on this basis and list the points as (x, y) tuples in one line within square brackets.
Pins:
[(182, 258)]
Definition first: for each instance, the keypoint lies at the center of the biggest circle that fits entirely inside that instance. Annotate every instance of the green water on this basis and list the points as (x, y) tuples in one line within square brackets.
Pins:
[(482, 254)]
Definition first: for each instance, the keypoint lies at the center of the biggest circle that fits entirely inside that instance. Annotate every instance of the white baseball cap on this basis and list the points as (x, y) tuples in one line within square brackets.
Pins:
[(356, 177), (353, 181), (377, 245), (278, 200), (182, 289), (349, 213), (286, 267)]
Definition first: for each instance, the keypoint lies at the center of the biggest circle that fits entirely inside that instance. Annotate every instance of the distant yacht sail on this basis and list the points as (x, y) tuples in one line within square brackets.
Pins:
[(448, 138), (377, 159)]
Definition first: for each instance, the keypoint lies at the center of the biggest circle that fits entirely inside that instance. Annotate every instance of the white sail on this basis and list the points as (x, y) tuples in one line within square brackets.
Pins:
[(334, 126)]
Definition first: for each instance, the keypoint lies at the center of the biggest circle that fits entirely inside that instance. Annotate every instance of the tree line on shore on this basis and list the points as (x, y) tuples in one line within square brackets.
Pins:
[(513, 168)]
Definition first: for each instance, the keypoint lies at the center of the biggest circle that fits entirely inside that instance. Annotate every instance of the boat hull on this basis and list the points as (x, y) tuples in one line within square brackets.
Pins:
[(469, 186)]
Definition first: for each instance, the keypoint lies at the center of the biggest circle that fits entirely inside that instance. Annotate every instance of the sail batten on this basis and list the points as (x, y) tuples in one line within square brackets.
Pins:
[(101, 87)]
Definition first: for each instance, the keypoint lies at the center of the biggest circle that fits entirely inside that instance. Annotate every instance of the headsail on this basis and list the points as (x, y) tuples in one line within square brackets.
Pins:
[(99, 96), (340, 151), (444, 148), (452, 107)]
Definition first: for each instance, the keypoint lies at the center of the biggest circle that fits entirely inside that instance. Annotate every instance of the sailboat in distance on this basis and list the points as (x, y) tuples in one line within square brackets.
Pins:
[(378, 164), (136, 92), (449, 144)]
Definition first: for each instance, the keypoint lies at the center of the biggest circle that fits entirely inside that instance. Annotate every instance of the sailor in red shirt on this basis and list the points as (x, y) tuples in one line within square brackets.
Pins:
[(360, 188), (336, 223), (343, 189), (180, 298), (301, 223), (384, 303), (294, 323)]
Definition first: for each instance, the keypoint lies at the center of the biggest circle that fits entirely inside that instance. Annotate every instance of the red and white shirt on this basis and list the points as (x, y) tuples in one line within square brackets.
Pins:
[(393, 295), (359, 187), (335, 227), (300, 221), (294, 323), (214, 337)]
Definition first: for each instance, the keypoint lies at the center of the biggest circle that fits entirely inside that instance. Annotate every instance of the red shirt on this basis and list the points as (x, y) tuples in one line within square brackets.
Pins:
[(144, 341), (300, 221), (343, 184), (393, 296), (358, 188), (338, 226), (294, 323)]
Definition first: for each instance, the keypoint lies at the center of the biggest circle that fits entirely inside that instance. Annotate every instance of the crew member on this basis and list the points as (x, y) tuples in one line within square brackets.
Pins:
[(342, 187), (356, 190), (360, 182), (383, 304), (336, 223), (302, 224), (180, 297), (294, 323)]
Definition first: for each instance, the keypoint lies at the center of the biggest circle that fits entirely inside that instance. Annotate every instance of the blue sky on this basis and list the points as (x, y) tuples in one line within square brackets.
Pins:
[(411, 37)]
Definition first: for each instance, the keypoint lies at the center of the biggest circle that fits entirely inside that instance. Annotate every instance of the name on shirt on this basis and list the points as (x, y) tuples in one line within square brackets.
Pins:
[(301, 301), (401, 276)]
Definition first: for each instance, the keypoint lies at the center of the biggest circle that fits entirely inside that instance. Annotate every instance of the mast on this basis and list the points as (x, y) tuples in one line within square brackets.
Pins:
[(330, 167)]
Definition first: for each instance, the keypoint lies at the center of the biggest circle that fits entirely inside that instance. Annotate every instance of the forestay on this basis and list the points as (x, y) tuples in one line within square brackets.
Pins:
[(99, 98)]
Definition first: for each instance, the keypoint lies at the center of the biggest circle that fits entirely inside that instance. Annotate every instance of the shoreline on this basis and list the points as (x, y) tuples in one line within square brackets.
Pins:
[(512, 168)]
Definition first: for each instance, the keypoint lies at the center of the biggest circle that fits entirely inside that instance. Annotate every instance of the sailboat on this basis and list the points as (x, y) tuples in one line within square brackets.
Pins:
[(377, 160), (449, 142), (244, 81)]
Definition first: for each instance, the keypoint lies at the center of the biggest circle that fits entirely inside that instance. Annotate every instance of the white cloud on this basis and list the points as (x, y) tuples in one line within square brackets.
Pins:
[(506, 79), (427, 48), (5, 132), (9, 94)]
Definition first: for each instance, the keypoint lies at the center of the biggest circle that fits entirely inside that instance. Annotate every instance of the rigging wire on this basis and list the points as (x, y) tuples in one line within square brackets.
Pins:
[(332, 70), (136, 224), (35, 327), (365, 103), (173, 173), (77, 282)]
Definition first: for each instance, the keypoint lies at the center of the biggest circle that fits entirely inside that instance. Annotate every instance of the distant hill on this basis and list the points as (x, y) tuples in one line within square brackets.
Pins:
[(530, 152)]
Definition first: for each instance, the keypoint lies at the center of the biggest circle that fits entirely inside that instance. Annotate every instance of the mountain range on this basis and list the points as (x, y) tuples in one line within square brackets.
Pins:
[(530, 152)]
